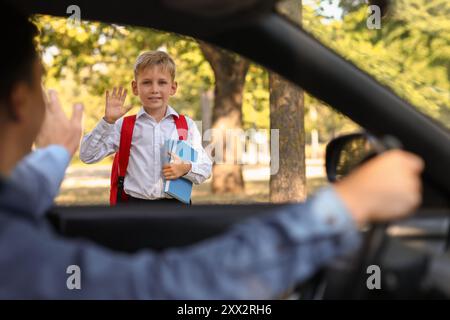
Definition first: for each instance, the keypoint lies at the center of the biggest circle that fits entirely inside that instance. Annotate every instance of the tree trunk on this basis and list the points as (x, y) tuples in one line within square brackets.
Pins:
[(229, 71), (287, 115)]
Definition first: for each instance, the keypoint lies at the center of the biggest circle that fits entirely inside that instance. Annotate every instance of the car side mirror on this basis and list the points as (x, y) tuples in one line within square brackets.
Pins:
[(345, 153)]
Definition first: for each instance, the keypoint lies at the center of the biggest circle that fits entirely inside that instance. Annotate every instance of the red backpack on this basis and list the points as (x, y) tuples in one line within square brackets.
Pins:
[(120, 164)]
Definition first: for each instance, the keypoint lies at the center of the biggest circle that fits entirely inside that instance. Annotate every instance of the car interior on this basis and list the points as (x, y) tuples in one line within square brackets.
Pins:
[(413, 253)]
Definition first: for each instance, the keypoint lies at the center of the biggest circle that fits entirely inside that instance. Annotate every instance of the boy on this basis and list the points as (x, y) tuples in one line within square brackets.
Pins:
[(154, 83)]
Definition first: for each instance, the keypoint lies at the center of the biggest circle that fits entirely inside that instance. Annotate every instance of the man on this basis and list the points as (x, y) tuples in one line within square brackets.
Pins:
[(255, 260)]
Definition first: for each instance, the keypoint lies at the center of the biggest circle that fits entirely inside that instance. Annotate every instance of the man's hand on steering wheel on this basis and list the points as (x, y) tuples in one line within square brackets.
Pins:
[(387, 187)]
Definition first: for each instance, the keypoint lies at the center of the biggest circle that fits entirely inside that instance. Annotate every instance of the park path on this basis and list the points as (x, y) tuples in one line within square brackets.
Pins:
[(89, 185)]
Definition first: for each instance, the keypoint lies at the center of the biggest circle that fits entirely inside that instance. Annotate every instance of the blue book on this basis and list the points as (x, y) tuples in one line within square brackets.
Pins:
[(180, 188)]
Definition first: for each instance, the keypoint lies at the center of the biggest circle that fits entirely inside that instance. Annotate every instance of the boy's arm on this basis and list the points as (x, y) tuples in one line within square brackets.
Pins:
[(104, 139), (201, 169), (100, 142)]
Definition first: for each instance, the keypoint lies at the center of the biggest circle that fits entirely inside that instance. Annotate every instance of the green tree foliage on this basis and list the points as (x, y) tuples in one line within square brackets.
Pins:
[(410, 53)]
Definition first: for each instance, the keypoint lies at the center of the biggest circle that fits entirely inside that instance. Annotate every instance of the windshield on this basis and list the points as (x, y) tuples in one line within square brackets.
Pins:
[(404, 44)]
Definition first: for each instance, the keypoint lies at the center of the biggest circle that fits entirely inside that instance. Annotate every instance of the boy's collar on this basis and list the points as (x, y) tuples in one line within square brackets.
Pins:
[(170, 111)]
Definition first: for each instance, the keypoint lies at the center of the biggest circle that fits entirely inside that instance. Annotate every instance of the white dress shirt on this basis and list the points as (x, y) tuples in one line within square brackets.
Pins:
[(144, 178)]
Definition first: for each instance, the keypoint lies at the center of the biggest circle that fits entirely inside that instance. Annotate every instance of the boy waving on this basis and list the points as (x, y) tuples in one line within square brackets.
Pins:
[(139, 139)]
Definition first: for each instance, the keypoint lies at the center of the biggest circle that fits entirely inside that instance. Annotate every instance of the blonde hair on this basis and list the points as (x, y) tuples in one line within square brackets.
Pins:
[(152, 59)]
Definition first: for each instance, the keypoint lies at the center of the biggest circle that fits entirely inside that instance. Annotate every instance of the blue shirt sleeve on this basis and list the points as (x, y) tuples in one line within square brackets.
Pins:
[(258, 259), (263, 258), (40, 175)]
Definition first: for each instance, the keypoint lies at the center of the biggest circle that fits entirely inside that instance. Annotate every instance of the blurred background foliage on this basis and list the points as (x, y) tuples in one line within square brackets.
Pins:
[(410, 54)]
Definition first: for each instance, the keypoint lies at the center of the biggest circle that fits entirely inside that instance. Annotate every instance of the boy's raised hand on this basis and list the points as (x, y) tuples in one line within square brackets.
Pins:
[(115, 108)]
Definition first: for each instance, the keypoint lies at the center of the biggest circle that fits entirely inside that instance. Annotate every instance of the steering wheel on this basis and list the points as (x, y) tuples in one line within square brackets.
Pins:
[(346, 277)]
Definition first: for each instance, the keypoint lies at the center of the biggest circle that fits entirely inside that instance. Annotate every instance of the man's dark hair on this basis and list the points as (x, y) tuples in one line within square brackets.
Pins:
[(18, 50)]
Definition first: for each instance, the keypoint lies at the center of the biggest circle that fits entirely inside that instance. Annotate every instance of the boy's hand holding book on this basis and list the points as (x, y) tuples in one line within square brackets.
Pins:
[(176, 169), (115, 108)]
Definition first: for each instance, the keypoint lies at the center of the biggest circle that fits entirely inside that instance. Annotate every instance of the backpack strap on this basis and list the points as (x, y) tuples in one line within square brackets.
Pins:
[(182, 126), (126, 134), (120, 164)]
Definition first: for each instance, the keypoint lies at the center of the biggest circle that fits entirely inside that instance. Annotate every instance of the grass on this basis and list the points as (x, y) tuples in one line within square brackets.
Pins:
[(255, 191)]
